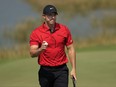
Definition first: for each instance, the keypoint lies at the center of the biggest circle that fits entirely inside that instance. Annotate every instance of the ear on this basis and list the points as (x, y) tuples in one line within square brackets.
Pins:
[(43, 16)]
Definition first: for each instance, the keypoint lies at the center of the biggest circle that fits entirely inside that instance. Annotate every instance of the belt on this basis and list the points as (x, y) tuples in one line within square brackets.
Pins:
[(53, 67)]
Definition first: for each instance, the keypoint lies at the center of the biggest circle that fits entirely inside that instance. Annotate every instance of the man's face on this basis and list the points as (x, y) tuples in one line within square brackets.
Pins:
[(51, 18)]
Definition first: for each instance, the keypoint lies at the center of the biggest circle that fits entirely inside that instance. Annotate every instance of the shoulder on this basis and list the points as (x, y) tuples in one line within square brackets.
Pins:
[(36, 30), (63, 27)]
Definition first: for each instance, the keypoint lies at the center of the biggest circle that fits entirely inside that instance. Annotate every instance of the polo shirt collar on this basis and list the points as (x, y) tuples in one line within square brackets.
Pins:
[(46, 28)]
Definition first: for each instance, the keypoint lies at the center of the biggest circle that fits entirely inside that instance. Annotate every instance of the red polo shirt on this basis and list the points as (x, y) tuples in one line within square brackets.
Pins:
[(54, 54)]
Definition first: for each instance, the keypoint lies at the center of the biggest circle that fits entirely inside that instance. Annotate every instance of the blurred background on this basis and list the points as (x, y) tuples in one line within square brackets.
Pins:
[(92, 24)]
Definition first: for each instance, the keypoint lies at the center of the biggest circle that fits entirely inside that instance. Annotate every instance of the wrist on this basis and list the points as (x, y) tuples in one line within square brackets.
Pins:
[(74, 69), (40, 49)]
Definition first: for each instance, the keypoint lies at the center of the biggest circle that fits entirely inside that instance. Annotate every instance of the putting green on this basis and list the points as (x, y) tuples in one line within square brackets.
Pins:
[(94, 69)]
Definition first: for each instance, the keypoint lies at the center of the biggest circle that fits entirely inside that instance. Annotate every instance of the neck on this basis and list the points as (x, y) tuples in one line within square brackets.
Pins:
[(51, 27)]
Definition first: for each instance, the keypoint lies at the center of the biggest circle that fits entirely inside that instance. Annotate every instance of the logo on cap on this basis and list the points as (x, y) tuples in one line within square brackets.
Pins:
[(51, 8)]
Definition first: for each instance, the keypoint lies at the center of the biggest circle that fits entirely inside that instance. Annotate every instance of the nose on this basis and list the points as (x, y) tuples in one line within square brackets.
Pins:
[(53, 17)]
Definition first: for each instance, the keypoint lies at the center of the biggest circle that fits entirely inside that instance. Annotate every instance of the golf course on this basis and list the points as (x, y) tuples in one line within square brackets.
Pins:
[(95, 68), (91, 24)]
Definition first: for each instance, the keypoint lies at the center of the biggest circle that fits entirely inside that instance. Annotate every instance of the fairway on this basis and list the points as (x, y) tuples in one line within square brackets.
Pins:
[(94, 69)]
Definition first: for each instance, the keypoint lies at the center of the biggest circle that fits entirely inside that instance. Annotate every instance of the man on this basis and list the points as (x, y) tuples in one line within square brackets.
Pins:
[(47, 42)]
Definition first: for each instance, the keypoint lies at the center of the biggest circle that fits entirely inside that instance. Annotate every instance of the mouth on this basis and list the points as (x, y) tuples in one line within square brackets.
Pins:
[(52, 21)]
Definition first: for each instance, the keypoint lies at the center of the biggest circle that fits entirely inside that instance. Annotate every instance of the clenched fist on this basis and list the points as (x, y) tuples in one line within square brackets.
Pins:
[(44, 45)]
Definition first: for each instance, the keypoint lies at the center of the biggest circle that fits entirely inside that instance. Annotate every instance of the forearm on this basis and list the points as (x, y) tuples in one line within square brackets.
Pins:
[(35, 52), (72, 57)]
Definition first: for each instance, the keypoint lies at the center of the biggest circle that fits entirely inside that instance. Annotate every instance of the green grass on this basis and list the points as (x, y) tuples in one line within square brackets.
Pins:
[(97, 69), (94, 69), (19, 73), (97, 48)]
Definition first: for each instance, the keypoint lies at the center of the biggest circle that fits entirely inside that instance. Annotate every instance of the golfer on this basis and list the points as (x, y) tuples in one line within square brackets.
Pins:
[(48, 42)]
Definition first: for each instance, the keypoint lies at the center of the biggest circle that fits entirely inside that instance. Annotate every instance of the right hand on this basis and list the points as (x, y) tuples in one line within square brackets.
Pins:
[(44, 45)]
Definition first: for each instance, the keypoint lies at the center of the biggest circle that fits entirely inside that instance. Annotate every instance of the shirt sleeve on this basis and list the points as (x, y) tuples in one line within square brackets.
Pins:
[(69, 39), (34, 40)]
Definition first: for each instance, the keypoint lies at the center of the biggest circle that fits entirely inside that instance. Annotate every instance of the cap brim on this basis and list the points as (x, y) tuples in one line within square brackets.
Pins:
[(49, 13)]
